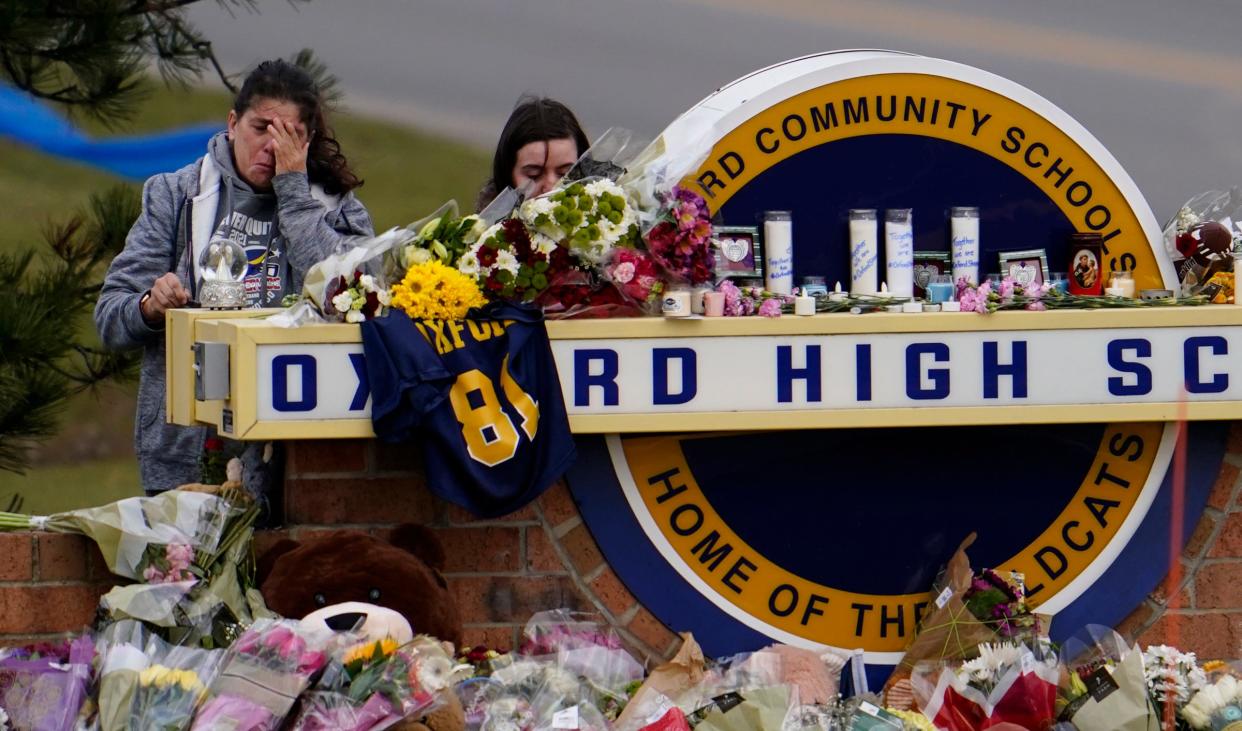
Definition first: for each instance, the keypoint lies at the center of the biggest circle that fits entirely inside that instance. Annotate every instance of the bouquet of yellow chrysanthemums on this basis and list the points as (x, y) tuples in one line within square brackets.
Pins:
[(433, 291)]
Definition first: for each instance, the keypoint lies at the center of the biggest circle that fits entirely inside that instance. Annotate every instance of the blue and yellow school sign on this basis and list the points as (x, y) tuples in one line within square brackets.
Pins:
[(803, 479), (833, 537)]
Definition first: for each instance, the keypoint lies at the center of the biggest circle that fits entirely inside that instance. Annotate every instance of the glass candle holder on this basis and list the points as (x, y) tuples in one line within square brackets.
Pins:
[(940, 288)]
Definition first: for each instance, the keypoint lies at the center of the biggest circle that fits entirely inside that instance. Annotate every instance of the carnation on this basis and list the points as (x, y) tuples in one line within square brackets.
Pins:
[(770, 308), (623, 272)]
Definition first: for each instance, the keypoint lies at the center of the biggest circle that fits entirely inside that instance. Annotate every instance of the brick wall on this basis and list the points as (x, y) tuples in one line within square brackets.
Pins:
[(503, 570), (1198, 606), (49, 584), (500, 571)]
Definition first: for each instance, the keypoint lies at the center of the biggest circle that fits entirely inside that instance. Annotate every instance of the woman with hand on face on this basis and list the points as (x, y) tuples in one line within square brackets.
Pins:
[(276, 183), (539, 144)]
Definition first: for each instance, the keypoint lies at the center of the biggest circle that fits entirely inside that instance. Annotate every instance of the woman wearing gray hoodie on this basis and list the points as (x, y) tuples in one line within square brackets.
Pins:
[(275, 182)]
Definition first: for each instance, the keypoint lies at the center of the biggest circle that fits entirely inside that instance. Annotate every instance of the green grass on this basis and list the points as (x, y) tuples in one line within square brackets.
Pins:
[(54, 488), (408, 174)]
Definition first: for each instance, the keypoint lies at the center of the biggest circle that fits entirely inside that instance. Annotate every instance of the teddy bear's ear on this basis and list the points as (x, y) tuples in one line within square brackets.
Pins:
[(420, 541), (267, 561)]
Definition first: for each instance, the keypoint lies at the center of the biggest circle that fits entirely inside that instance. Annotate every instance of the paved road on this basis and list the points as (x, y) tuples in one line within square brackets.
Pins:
[(1158, 82)]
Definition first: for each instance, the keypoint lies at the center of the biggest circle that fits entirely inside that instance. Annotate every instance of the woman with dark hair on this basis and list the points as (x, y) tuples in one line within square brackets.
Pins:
[(539, 144), (275, 182)]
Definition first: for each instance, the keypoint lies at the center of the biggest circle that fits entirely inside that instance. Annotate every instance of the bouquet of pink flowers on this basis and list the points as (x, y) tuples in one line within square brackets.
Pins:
[(681, 239), (746, 301), (636, 275), (265, 671)]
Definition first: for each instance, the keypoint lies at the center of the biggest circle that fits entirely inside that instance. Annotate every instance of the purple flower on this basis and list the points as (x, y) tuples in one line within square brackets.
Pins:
[(1006, 289), (770, 308)]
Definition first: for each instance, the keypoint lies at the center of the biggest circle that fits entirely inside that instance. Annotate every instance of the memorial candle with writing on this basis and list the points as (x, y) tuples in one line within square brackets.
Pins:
[(778, 251), (899, 251), (864, 251), (964, 230)]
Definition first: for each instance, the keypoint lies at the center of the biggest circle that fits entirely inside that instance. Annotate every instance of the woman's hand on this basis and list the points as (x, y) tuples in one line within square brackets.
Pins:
[(165, 294), (290, 146)]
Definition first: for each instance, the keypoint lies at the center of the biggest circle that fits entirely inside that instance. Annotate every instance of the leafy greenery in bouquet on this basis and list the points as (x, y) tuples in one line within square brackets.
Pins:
[(444, 236)]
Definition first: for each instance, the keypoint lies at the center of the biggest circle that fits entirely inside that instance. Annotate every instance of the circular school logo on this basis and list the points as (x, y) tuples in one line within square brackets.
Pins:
[(833, 537)]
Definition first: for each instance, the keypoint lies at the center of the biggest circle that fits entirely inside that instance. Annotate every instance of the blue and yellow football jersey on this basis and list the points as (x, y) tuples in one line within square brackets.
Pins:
[(483, 397)]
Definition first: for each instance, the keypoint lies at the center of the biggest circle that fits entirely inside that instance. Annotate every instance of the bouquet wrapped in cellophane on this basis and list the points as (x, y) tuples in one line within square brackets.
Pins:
[(348, 286), (44, 689), (187, 550), (265, 671), (1103, 687), (949, 631), (1006, 683), (194, 574), (171, 686), (374, 684)]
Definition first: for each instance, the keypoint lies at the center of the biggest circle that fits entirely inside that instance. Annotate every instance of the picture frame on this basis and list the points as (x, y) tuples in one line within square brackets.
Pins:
[(738, 251), (1086, 268), (1026, 267), (928, 264)]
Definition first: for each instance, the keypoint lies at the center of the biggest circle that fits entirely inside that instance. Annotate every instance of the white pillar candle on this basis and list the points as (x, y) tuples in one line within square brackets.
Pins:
[(864, 251), (778, 251), (899, 251), (964, 230)]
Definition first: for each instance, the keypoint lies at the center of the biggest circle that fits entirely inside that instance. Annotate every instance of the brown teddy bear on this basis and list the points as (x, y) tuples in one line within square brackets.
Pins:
[(401, 573)]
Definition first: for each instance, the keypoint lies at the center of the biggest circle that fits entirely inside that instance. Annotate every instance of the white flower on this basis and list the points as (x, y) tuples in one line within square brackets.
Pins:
[(416, 255), (1172, 674), (596, 188), (433, 673), (343, 301), (977, 671), (354, 316), (543, 244), (384, 297), (532, 208), (507, 261), (367, 282), (477, 228), (468, 263), (4, 719)]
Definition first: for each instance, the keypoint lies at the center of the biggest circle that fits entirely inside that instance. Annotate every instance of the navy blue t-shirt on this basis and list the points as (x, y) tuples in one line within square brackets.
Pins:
[(481, 394)]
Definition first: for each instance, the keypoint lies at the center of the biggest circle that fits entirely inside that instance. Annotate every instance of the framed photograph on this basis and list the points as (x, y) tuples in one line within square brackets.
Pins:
[(739, 252), (928, 264), (1086, 271), (1026, 267)]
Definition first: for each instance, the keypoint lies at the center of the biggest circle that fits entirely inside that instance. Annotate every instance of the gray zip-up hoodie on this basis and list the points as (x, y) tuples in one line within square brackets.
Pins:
[(312, 225)]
